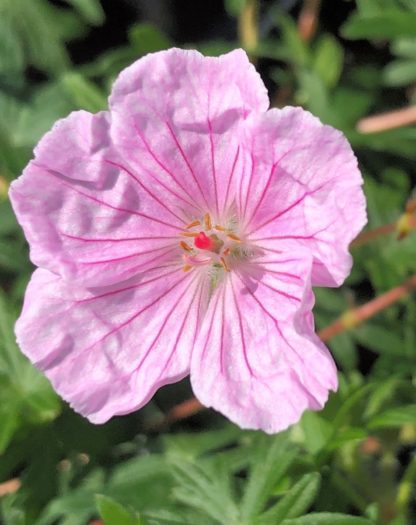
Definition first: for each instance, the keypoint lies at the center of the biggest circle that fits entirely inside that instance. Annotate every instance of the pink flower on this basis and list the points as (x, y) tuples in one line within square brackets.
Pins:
[(180, 232)]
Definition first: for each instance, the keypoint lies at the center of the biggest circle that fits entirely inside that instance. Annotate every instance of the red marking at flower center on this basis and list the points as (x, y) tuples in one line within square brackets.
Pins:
[(203, 242)]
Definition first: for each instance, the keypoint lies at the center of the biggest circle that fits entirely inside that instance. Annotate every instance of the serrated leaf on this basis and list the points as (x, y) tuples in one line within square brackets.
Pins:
[(274, 457), (297, 500), (113, 513), (207, 489)]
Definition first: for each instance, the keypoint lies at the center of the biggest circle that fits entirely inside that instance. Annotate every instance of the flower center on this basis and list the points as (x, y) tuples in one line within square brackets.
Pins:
[(213, 245)]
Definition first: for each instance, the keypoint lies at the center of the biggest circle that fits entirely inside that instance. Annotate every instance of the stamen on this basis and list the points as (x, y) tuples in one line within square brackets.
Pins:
[(226, 252), (233, 237), (224, 264), (219, 228), (190, 234), (193, 224), (185, 246), (207, 221), (187, 267)]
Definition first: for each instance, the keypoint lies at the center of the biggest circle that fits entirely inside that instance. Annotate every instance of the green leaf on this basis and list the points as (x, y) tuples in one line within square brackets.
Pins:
[(389, 23), (274, 457), (327, 518), (380, 339), (316, 431), (206, 488), (50, 102), (394, 418), (404, 47), (328, 60), (345, 350), (314, 95), (190, 446), (11, 50), (83, 93), (400, 72), (297, 51), (147, 38), (9, 417), (296, 501), (91, 10), (113, 513), (234, 7)]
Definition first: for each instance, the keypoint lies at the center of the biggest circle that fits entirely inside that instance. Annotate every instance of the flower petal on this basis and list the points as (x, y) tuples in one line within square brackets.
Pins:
[(302, 190), (85, 216), (257, 359), (175, 114), (107, 351)]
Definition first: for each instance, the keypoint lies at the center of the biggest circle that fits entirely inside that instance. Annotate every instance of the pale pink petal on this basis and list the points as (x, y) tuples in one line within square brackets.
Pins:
[(257, 359), (175, 115), (84, 214), (301, 190), (107, 351)]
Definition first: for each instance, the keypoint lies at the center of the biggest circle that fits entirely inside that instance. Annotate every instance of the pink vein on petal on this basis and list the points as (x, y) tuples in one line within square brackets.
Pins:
[(111, 206), (180, 331), (187, 162), (134, 316), (89, 239), (290, 207), (126, 288), (214, 309), (146, 189), (240, 323), (163, 325), (214, 173), (130, 256), (253, 167), (230, 177), (160, 163)]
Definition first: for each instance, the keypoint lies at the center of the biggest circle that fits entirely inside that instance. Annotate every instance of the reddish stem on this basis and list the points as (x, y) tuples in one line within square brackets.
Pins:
[(308, 19), (367, 310), (389, 120)]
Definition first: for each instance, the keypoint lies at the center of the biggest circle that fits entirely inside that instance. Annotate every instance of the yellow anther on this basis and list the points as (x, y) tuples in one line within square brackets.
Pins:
[(226, 252), (224, 264), (193, 224), (185, 246), (190, 234), (187, 267), (219, 228), (207, 221), (233, 237)]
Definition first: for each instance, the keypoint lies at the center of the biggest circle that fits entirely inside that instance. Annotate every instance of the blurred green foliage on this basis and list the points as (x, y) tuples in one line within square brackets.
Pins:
[(354, 463)]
